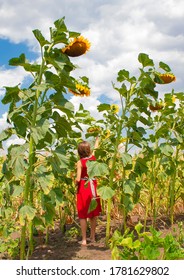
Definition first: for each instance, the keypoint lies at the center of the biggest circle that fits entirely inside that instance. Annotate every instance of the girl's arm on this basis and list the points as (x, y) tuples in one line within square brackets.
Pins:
[(96, 144), (79, 170)]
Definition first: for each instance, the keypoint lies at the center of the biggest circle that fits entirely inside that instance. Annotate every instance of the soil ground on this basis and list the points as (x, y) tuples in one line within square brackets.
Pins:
[(60, 246)]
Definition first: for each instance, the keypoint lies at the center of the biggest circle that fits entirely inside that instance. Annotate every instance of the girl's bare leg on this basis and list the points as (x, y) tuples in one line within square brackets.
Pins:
[(93, 228), (83, 224)]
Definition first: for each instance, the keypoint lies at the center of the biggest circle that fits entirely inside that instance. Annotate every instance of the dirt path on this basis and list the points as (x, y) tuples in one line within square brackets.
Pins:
[(62, 247)]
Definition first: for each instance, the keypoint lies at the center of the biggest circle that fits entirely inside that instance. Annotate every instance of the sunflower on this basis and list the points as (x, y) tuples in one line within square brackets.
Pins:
[(82, 90), (157, 107), (164, 78), (123, 140), (107, 133), (114, 108), (94, 129), (173, 98), (77, 47)]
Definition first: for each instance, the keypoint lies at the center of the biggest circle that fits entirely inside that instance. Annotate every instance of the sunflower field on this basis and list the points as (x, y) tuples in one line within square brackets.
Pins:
[(139, 167)]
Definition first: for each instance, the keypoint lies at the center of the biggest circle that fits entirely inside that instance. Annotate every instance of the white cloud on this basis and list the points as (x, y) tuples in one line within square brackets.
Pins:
[(11, 77), (90, 103), (12, 140), (3, 122)]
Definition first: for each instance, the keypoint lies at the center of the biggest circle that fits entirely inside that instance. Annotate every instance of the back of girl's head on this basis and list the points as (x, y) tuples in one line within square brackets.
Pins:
[(84, 149)]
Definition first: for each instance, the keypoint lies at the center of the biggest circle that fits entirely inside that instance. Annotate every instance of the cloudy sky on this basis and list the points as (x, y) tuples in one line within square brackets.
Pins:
[(118, 31)]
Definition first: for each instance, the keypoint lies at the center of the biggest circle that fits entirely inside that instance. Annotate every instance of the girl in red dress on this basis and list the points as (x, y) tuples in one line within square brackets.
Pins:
[(85, 193)]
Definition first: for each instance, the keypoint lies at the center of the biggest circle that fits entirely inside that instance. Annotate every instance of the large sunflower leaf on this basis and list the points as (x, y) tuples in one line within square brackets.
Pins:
[(106, 192), (96, 169)]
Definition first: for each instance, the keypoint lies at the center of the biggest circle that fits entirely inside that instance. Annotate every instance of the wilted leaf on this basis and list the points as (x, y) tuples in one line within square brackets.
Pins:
[(26, 212)]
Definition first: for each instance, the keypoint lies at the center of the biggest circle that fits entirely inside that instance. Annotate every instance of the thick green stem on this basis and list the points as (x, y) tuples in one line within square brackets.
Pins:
[(109, 202), (172, 189), (119, 128), (23, 242), (28, 190)]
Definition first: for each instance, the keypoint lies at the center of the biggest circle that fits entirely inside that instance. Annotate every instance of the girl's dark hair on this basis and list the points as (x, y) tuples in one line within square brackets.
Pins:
[(84, 149)]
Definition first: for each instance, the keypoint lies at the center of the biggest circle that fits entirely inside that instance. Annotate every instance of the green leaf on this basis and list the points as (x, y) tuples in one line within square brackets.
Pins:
[(58, 195), (58, 160), (73, 34), (103, 107), (59, 36), (138, 228), (26, 213), (122, 90), (12, 94), (136, 244), (145, 121), (32, 67), (164, 66), (17, 190), (123, 75), (62, 126), (92, 206), (145, 60), (129, 186), (140, 166), (40, 38), (166, 149), (128, 204), (96, 169), (106, 192), (17, 159), (126, 159), (45, 181), (62, 103), (60, 24), (39, 132), (49, 212), (20, 124), (126, 242), (18, 61)]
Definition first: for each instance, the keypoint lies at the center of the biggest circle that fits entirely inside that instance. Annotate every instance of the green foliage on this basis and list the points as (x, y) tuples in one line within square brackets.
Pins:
[(9, 246), (141, 245), (73, 232)]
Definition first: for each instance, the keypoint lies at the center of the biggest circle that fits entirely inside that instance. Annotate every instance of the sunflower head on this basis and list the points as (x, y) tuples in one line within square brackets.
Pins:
[(114, 108), (123, 140), (165, 78), (107, 133), (94, 129), (77, 47), (157, 106), (82, 90)]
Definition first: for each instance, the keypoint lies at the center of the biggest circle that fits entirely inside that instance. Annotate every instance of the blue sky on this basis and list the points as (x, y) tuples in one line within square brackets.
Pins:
[(118, 31), (9, 50)]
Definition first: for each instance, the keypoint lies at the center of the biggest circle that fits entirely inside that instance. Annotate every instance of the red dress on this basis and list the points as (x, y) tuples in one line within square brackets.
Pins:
[(84, 193)]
